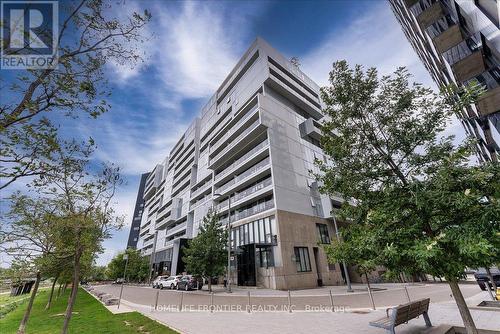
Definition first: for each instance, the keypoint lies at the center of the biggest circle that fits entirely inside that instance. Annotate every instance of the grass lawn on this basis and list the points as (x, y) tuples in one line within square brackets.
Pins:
[(90, 317)]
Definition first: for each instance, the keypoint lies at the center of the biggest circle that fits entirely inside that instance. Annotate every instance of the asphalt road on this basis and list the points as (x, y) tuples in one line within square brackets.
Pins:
[(392, 294)]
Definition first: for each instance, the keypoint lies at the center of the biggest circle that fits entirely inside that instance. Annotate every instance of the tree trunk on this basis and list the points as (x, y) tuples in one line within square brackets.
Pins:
[(59, 290), (49, 303), (22, 325), (74, 291), (470, 327), (209, 284), (490, 276), (65, 286)]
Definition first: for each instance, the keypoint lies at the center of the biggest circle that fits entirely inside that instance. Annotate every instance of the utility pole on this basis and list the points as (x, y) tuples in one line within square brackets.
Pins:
[(228, 271), (125, 257), (151, 261), (346, 272), (229, 244)]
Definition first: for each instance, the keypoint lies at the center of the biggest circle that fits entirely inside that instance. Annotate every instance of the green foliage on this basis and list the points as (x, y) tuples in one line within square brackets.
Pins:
[(206, 254), (414, 202), (137, 268), (90, 317), (90, 36)]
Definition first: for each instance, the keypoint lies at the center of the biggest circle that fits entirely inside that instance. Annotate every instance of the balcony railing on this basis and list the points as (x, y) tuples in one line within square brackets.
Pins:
[(231, 167), (233, 129), (245, 193), (252, 170), (201, 189), (260, 207), (252, 127), (463, 49)]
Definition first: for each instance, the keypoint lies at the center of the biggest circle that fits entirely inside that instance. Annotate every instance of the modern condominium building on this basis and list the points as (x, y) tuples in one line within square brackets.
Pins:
[(459, 41), (135, 226), (254, 142)]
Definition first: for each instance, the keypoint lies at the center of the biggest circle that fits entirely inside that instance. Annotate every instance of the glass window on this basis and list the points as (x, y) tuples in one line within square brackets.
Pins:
[(302, 259), (250, 233), (323, 235), (261, 231), (265, 256)]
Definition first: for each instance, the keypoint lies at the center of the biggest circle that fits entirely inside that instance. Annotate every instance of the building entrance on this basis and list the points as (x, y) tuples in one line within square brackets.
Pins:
[(246, 265)]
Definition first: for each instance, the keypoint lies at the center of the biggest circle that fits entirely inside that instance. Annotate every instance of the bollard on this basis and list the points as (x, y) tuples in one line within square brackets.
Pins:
[(156, 301), (182, 297), (249, 303), (331, 301), (289, 302), (407, 294), (211, 302), (121, 292), (371, 297)]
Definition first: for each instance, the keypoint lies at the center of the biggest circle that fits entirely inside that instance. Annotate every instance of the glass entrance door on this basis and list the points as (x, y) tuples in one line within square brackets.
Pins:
[(246, 265)]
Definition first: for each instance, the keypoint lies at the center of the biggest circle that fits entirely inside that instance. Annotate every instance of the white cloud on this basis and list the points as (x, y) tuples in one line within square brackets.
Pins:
[(373, 39)]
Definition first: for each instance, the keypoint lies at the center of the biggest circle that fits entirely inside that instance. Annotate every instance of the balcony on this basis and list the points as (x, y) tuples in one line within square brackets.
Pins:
[(232, 167), (262, 206), (176, 229), (201, 190), (164, 220), (448, 38), (489, 102), (246, 176), (431, 12), (310, 128), (261, 188), (237, 143), (234, 129), (469, 67)]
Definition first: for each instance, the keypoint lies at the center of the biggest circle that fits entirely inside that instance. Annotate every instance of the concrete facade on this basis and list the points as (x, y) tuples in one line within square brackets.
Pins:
[(458, 42), (255, 141)]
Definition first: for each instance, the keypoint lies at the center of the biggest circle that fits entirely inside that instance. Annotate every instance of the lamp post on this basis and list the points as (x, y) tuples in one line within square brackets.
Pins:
[(151, 261), (125, 257), (228, 242), (346, 272)]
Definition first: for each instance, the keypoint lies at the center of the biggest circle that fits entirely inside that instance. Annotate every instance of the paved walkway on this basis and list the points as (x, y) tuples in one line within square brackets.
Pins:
[(270, 320)]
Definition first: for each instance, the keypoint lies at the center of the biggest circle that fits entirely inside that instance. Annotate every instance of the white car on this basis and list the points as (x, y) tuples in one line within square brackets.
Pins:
[(169, 282), (156, 282)]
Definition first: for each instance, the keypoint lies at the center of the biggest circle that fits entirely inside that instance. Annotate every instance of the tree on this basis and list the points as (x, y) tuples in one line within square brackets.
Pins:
[(137, 267), (33, 236), (413, 201), (90, 37), (206, 254), (86, 215)]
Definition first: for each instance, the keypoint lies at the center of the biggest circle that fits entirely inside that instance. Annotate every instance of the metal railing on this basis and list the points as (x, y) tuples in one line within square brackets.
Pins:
[(252, 170), (231, 167), (233, 129), (252, 127), (245, 193), (258, 208)]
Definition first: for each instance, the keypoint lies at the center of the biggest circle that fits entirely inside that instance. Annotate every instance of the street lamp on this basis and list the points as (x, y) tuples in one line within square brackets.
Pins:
[(346, 272), (125, 257), (152, 257), (228, 241)]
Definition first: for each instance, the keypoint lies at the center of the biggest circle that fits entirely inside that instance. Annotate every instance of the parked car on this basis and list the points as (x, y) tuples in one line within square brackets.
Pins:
[(482, 278), (156, 282), (119, 280), (190, 282), (170, 282)]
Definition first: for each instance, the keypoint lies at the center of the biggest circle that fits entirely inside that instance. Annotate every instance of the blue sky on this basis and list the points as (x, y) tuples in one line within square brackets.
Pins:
[(194, 45)]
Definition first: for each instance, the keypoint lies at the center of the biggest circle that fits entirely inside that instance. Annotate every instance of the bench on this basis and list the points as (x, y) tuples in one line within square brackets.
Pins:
[(402, 314)]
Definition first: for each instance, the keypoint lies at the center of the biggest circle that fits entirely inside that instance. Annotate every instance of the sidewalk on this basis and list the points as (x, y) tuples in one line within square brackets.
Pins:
[(306, 322)]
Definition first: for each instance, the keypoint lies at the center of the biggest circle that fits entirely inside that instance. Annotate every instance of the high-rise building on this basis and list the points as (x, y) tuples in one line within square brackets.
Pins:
[(135, 226), (254, 142), (458, 41)]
